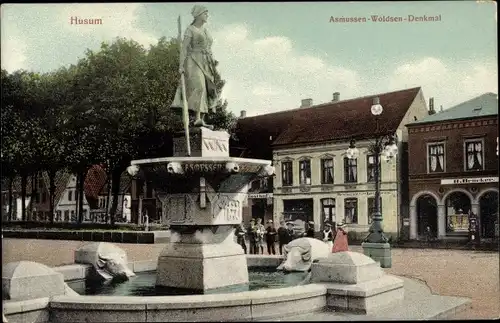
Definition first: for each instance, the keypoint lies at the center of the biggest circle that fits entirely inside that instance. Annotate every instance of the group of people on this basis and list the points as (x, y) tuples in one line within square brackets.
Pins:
[(258, 235)]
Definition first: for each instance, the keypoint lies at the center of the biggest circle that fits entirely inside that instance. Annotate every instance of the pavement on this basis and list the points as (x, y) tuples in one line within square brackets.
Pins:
[(459, 273), (419, 304)]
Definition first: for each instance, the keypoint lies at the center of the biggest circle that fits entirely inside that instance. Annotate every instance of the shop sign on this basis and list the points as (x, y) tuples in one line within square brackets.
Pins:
[(260, 195), (474, 180)]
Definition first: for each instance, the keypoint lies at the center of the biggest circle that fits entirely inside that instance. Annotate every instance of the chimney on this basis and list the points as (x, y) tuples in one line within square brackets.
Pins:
[(431, 106), (306, 103), (243, 114), (336, 97), (441, 109)]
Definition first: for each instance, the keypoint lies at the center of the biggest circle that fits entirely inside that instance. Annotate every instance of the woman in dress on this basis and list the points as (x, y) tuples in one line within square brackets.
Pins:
[(198, 66)]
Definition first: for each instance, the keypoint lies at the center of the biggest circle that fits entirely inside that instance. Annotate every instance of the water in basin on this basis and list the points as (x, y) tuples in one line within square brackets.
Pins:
[(143, 284)]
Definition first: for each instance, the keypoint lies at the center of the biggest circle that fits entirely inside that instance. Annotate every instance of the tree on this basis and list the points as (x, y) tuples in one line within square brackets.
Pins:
[(109, 108), (21, 110)]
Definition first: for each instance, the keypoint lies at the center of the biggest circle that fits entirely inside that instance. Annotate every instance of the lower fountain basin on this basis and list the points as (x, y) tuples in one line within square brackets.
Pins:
[(143, 284)]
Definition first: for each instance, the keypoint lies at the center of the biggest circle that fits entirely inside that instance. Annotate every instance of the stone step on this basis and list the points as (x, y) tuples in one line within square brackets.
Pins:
[(418, 304)]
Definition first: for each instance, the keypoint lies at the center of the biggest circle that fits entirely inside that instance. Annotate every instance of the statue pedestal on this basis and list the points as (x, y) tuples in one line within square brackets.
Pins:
[(202, 198), (199, 262), (203, 142)]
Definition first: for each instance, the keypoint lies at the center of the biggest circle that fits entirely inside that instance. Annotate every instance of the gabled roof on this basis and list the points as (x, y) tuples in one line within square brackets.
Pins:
[(347, 119), (257, 133), (61, 182), (95, 181), (480, 106)]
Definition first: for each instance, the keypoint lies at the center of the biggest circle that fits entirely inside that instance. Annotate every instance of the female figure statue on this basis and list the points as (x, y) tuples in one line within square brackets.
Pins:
[(198, 66)]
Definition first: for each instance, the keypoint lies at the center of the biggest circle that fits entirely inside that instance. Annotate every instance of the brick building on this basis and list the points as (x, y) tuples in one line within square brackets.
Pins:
[(453, 169)]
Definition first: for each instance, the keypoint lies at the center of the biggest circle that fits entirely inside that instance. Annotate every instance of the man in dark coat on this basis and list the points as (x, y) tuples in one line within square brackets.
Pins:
[(240, 236), (310, 230), (271, 237), (290, 230), (282, 236), (252, 237)]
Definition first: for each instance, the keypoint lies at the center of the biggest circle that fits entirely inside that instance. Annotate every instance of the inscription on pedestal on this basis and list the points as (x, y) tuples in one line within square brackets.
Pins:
[(215, 145), (210, 167), (204, 143)]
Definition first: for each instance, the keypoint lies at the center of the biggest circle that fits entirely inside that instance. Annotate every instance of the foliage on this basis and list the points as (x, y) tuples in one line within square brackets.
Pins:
[(112, 106)]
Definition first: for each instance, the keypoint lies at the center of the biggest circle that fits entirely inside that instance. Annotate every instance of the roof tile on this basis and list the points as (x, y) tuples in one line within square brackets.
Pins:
[(347, 119)]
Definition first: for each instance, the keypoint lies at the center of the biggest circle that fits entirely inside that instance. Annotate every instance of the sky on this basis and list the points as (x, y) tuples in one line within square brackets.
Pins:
[(272, 55)]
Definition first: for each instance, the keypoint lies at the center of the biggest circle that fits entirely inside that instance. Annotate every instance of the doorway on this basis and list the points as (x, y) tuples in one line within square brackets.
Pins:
[(488, 211), (427, 214)]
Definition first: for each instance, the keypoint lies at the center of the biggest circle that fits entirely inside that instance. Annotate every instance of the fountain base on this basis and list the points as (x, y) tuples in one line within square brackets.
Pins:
[(202, 266)]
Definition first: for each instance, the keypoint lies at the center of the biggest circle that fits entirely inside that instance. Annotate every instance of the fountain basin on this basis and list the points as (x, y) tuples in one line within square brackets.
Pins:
[(213, 307), (143, 284), (249, 305)]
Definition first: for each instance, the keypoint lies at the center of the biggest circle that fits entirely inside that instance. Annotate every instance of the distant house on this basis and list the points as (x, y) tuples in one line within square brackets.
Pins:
[(65, 198), (65, 205), (36, 199), (123, 210), (94, 183)]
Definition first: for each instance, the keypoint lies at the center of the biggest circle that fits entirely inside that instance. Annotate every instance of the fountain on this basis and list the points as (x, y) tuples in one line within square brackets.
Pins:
[(202, 197)]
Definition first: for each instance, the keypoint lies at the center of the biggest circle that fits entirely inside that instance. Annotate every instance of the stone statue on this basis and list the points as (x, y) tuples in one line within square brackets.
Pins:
[(302, 252), (197, 67), (109, 261)]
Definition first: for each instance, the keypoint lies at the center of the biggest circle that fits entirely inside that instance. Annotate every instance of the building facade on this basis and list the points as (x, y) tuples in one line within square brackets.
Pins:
[(259, 203), (316, 182), (323, 185), (65, 206), (453, 170)]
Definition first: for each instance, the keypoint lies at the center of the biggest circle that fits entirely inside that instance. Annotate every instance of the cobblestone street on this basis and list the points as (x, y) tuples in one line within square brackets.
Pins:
[(447, 272)]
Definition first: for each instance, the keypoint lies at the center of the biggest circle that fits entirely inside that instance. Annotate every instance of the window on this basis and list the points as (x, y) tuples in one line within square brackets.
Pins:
[(58, 216), (73, 216), (328, 209), (287, 173), (474, 156), (435, 158), (370, 162), (458, 206), (350, 170), (70, 195), (102, 202), (327, 171), (371, 208), (351, 210), (66, 216), (305, 172)]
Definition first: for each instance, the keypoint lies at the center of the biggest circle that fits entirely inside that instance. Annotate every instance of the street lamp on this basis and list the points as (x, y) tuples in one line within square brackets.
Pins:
[(376, 245)]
